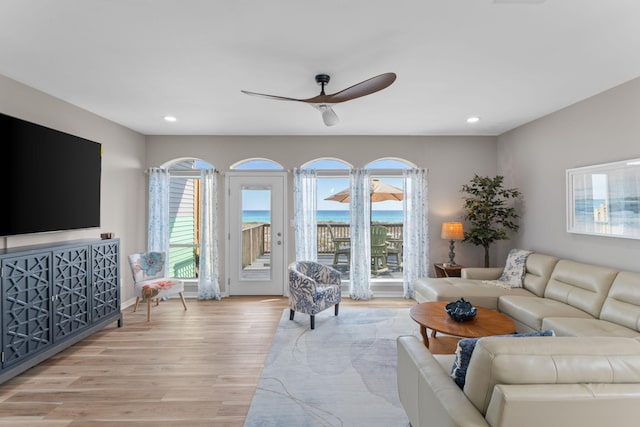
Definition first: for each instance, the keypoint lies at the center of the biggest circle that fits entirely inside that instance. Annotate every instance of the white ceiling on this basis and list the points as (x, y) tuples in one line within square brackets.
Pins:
[(135, 61)]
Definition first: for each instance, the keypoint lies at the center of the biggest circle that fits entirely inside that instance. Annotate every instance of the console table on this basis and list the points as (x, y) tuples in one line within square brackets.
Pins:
[(54, 295)]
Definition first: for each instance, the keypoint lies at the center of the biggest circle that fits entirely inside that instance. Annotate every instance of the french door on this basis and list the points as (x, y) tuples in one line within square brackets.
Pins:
[(256, 233)]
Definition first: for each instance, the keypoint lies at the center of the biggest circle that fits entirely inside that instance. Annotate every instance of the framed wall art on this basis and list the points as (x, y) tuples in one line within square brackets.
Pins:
[(604, 200)]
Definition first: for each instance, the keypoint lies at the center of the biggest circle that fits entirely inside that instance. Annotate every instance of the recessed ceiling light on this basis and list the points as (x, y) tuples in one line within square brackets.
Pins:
[(170, 118), (473, 119)]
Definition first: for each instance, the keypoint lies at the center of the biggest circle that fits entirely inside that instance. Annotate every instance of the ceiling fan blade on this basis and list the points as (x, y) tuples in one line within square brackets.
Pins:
[(277, 98), (366, 87), (329, 117), (323, 101)]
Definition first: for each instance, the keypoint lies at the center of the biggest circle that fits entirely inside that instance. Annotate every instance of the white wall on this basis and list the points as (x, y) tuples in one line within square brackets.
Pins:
[(535, 157), (123, 190), (452, 161)]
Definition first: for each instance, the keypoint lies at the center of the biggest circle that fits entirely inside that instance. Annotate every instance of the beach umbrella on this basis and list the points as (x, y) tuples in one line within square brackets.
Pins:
[(380, 191)]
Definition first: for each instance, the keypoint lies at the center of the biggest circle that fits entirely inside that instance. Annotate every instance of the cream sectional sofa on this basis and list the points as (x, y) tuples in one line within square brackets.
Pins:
[(572, 298), (588, 375), (473, 288), (524, 382)]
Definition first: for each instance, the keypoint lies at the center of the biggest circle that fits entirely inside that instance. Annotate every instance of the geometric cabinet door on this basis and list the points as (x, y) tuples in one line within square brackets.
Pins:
[(71, 291), (25, 306), (105, 279)]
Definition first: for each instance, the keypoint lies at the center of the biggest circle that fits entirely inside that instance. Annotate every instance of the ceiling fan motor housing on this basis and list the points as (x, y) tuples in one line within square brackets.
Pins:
[(322, 79)]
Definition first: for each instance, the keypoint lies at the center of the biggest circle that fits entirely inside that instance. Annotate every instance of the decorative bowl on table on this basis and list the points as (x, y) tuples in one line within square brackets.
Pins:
[(461, 310)]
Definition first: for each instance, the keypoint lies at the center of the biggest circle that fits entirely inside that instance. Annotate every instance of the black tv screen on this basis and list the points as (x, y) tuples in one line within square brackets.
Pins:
[(49, 180)]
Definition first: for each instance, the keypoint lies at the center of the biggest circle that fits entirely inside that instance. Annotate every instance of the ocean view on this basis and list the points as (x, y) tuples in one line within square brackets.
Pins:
[(328, 216)]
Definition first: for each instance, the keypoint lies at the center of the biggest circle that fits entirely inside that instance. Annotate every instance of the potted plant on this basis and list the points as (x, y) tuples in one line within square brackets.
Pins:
[(488, 213)]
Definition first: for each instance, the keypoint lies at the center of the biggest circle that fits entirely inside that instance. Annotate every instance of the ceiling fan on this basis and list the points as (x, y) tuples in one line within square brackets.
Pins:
[(323, 102)]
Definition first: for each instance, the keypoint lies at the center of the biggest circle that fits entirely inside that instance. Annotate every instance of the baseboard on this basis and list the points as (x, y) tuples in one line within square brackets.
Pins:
[(378, 291)]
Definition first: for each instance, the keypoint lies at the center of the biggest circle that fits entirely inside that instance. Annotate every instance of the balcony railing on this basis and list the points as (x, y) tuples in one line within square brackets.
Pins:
[(256, 239), (325, 244), (256, 242)]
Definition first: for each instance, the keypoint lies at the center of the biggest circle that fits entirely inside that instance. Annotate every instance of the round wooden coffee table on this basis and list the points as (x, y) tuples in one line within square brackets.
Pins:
[(487, 322)]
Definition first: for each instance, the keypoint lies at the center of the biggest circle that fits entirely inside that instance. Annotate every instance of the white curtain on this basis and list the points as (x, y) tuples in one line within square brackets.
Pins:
[(208, 275), (305, 225), (158, 228), (359, 286), (415, 230)]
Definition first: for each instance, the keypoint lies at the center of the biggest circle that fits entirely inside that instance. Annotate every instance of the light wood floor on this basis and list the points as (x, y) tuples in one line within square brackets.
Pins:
[(188, 369)]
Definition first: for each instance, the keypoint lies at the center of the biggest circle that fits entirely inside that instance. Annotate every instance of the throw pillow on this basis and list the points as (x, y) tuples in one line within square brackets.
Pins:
[(465, 350), (514, 269)]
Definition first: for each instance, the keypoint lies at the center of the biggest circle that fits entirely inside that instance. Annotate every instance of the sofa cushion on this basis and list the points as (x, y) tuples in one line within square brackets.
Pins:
[(477, 292), (539, 269), (514, 268), (557, 360), (481, 273), (622, 305), (464, 351), (575, 327), (528, 312), (579, 285), (563, 405), (158, 288)]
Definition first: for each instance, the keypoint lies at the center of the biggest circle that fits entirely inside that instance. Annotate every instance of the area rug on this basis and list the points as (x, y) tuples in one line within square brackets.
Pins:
[(342, 373)]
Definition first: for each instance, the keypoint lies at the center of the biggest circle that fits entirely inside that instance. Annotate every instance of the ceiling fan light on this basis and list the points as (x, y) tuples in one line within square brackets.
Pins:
[(329, 116)]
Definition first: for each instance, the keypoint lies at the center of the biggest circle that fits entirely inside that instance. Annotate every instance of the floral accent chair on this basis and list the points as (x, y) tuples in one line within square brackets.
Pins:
[(313, 287), (148, 274)]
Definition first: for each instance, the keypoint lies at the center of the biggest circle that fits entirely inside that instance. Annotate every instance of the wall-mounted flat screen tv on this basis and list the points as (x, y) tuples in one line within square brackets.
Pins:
[(49, 180)]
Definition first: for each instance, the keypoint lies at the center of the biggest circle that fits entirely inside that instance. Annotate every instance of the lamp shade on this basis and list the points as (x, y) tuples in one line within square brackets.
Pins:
[(452, 231)]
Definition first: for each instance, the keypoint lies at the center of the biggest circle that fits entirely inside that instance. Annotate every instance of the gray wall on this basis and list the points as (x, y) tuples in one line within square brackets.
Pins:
[(535, 157), (451, 162), (123, 190)]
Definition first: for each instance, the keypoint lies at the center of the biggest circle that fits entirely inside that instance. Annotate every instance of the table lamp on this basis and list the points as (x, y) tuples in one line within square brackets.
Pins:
[(452, 231)]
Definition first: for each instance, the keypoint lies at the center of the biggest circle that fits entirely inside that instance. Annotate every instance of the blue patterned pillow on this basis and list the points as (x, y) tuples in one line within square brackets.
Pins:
[(514, 268), (465, 350)]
